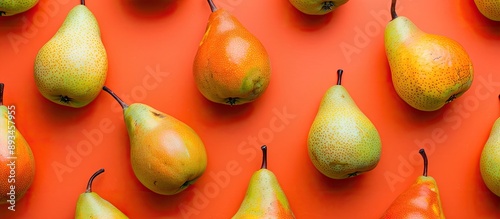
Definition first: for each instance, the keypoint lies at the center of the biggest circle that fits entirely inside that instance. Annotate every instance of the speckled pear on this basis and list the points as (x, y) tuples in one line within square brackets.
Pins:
[(489, 163), (317, 7), (420, 200), (264, 197), (71, 68), (91, 205), (13, 7), (428, 70), (231, 65), (342, 141), (166, 154)]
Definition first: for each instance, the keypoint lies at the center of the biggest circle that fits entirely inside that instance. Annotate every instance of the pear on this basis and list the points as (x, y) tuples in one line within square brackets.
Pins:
[(264, 197), (71, 68), (342, 141), (489, 8), (428, 71), (489, 164), (13, 7), (317, 7), (420, 200), (231, 65), (166, 154), (91, 205), (17, 163)]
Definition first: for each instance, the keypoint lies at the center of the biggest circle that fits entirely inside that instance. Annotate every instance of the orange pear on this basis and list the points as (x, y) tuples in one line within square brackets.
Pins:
[(421, 200), (231, 65)]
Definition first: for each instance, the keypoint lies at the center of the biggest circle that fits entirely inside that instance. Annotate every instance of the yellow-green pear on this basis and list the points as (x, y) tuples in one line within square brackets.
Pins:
[(71, 68), (166, 154), (490, 160), (12, 7), (428, 70), (489, 8), (92, 206), (342, 141), (317, 7), (264, 197)]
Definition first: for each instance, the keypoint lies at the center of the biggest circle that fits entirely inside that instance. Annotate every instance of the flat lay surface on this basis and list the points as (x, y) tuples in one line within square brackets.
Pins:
[(151, 47)]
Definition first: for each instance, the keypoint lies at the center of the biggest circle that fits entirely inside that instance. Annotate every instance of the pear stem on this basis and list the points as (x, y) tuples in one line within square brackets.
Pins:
[(426, 162), (1, 93), (264, 157), (339, 76), (120, 101), (212, 6), (394, 15), (82, 2), (89, 184)]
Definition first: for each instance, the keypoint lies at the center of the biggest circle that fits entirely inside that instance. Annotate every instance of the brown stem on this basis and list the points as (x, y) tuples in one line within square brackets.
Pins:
[(82, 2), (393, 10), (1, 93), (89, 184), (426, 162), (264, 157), (120, 101), (212, 5), (339, 76)]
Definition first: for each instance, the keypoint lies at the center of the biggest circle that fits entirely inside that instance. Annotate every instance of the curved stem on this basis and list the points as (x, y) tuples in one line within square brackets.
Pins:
[(1, 93), (339, 76), (120, 101), (264, 157), (89, 184), (426, 162), (212, 6), (393, 10), (82, 2)]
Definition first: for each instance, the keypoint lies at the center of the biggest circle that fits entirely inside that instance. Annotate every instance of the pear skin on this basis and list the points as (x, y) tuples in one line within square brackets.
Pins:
[(231, 65), (9, 8), (71, 68), (264, 197), (428, 70), (166, 154), (342, 141), (91, 205), (23, 163), (317, 7), (489, 164), (489, 8), (420, 200)]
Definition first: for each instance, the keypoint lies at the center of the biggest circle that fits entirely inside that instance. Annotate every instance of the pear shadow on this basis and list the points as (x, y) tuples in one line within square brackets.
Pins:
[(303, 21), (57, 114), (15, 22), (482, 25), (218, 114), (340, 187), (150, 8)]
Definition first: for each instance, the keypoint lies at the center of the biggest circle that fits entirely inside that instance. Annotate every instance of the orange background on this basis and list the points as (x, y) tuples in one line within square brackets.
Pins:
[(305, 52)]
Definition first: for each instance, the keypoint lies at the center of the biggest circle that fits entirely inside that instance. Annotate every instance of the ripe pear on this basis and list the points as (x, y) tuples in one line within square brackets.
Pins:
[(420, 200), (231, 65), (166, 154), (317, 7), (490, 160), (428, 71), (15, 155), (489, 8), (264, 197), (12, 7), (91, 205), (342, 141), (71, 68)]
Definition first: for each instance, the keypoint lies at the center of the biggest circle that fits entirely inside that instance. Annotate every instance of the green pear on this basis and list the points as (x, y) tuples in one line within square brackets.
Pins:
[(166, 154), (264, 197), (490, 160), (317, 7), (342, 141), (12, 7), (71, 68), (428, 70), (91, 205)]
